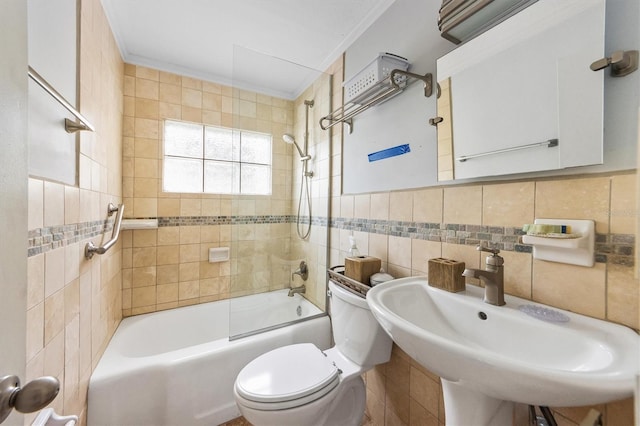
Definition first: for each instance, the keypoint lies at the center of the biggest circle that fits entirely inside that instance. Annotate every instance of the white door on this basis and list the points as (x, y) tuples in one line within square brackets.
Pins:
[(13, 190)]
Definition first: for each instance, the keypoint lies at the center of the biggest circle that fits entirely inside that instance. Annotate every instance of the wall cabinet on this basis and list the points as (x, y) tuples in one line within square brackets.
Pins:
[(522, 97)]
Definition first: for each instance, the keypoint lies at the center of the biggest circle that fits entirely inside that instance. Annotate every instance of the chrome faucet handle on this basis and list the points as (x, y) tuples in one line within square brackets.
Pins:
[(494, 259), (488, 249), (302, 270)]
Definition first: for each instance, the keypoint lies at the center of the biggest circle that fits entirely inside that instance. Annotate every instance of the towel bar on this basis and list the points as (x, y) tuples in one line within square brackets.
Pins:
[(69, 125), (549, 144)]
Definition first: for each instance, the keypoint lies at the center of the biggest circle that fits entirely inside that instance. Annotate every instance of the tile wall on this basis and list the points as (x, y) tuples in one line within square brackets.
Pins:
[(402, 392), (168, 267), (74, 304), (607, 291), (326, 92)]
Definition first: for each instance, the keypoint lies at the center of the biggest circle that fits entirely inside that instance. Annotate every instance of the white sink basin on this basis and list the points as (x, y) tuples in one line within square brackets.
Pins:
[(508, 355)]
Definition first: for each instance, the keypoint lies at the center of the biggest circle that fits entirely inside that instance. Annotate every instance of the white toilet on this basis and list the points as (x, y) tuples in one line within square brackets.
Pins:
[(301, 385)]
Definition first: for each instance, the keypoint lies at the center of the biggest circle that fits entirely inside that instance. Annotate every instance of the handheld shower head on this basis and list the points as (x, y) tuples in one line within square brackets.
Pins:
[(288, 138)]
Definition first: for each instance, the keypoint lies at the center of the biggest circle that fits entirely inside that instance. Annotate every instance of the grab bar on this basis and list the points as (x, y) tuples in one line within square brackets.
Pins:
[(69, 126), (549, 144), (90, 249)]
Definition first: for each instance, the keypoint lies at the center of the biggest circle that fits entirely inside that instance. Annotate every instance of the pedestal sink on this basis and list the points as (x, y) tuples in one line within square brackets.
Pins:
[(491, 356)]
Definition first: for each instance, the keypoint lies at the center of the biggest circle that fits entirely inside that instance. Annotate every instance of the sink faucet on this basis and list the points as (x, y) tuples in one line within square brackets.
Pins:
[(492, 277)]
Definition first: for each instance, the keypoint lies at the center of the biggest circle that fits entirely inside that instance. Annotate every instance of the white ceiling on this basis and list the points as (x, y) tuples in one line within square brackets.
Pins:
[(269, 46)]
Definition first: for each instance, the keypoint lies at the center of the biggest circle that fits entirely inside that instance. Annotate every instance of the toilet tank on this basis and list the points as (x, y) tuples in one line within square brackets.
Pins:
[(356, 332)]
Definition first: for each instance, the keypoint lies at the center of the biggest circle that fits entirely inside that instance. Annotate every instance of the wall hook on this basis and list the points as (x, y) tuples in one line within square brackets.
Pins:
[(622, 62)]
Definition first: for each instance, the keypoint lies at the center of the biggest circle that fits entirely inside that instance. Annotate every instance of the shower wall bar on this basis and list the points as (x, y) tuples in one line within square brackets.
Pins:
[(69, 125)]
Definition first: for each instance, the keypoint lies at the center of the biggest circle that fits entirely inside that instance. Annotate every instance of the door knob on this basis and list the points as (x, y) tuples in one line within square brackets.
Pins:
[(33, 396)]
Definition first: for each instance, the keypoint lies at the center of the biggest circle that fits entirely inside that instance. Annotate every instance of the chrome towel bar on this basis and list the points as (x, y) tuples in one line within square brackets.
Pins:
[(549, 144), (69, 126), (90, 249)]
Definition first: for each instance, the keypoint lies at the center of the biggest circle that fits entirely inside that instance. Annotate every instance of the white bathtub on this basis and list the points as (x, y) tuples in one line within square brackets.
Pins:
[(177, 367)]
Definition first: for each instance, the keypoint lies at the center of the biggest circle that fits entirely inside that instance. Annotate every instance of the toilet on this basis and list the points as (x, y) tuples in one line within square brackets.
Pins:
[(302, 385)]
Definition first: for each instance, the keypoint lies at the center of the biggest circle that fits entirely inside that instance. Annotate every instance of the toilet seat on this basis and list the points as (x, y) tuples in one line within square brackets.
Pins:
[(287, 377)]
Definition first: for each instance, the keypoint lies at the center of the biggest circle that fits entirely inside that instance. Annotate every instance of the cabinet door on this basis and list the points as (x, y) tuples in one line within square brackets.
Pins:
[(524, 82)]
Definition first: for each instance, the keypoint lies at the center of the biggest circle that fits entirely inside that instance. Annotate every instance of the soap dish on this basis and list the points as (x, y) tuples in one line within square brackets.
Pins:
[(574, 251), (544, 314)]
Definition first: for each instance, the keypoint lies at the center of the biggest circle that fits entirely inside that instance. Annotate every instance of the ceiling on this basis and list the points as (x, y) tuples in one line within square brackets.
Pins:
[(275, 47)]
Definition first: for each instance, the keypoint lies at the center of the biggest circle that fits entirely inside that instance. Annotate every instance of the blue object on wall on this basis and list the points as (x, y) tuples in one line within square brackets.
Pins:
[(389, 152)]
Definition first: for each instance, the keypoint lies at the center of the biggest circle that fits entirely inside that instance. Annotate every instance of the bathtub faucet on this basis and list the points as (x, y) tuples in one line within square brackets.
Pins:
[(302, 270), (294, 290)]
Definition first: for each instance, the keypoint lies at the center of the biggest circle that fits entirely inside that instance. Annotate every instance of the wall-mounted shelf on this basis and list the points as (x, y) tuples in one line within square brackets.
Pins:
[(218, 254), (574, 251), (129, 224), (397, 81)]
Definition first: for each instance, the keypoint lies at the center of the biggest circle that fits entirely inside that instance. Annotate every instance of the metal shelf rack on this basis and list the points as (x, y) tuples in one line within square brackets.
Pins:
[(397, 81)]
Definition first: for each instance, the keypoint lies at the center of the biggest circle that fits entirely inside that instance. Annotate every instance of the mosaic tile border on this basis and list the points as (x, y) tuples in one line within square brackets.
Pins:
[(42, 240), (223, 220), (616, 249), (235, 220), (504, 238)]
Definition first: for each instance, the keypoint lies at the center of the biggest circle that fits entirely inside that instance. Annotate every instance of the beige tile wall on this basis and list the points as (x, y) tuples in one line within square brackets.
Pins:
[(401, 392), (168, 267), (74, 304), (326, 92), (152, 96)]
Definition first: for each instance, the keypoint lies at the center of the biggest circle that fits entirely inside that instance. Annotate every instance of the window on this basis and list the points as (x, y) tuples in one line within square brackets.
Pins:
[(215, 160)]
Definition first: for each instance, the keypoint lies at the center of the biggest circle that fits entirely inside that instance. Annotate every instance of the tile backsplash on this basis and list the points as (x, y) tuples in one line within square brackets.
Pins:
[(435, 222), (406, 228)]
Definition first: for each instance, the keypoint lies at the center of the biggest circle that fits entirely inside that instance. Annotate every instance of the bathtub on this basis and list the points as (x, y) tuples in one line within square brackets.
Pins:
[(178, 367)]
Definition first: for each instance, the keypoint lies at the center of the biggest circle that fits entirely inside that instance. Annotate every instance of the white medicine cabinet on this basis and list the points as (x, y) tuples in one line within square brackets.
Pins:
[(521, 97)]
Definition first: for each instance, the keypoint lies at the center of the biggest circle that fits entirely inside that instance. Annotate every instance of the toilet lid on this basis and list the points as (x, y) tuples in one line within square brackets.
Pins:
[(286, 374)]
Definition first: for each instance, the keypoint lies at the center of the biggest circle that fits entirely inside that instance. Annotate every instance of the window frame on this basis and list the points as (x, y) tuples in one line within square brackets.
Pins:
[(236, 134)]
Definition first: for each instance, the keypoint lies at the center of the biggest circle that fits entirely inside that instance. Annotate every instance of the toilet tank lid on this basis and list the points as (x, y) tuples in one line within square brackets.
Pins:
[(286, 373), (347, 296)]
